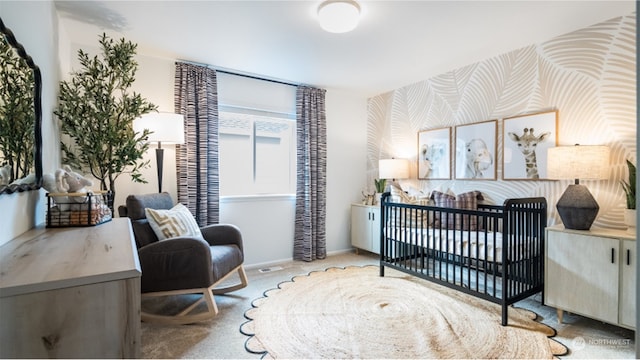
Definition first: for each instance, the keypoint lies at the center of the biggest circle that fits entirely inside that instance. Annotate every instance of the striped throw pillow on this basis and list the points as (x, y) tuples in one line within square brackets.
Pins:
[(416, 218), (175, 222), (466, 201)]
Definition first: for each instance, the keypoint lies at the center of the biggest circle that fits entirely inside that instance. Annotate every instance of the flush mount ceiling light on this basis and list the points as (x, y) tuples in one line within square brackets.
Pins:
[(338, 16)]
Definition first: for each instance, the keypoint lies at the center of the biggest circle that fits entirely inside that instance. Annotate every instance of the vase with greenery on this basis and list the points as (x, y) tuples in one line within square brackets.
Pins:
[(380, 185), (96, 109), (629, 188)]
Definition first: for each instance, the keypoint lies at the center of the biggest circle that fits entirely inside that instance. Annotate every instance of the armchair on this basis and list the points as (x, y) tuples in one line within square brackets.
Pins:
[(184, 265)]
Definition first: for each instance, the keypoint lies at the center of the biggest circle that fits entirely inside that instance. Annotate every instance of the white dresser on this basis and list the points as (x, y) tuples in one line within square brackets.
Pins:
[(365, 227), (71, 293), (592, 273)]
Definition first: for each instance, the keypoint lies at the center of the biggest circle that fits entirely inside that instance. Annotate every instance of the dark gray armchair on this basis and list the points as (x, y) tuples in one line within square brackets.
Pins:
[(184, 265)]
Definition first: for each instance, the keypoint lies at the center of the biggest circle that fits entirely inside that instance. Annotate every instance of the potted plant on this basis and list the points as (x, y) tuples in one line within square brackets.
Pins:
[(96, 111), (18, 118), (380, 185), (630, 193)]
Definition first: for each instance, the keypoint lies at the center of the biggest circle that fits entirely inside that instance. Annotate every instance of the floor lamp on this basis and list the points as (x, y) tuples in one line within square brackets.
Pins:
[(165, 128), (577, 207)]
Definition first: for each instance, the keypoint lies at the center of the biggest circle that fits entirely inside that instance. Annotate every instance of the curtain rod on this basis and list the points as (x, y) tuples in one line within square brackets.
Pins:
[(257, 77), (240, 74)]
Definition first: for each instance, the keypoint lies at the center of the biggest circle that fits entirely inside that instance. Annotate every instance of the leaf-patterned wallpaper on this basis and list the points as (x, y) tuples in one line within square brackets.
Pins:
[(588, 76)]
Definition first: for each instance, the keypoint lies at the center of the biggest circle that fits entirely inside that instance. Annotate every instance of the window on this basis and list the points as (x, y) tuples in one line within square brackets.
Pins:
[(257, 154), (257, 136)]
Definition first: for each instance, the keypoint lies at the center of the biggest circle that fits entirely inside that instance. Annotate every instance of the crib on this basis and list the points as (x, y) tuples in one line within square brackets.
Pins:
[(495, 252)]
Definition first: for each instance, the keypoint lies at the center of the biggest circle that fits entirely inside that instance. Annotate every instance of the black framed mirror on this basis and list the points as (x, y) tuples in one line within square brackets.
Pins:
[(20, 117)]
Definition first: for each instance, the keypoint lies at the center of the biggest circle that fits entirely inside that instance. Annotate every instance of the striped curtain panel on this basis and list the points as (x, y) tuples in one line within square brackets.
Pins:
[(310, 233), (196, 97)]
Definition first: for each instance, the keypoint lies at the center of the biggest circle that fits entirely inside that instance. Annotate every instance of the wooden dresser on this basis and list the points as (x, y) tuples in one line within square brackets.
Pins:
[(592, 273), (71, 293)]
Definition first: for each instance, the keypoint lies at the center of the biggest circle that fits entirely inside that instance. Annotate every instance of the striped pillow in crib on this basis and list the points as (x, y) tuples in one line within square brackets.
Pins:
[(466, 201), (399, 196), (409, 217)]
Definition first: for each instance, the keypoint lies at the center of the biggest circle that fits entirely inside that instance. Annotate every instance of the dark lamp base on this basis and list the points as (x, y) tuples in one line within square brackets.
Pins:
[(577, 208)]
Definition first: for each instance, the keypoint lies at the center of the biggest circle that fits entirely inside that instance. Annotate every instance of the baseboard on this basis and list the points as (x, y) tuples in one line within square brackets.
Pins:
[(268, 264)]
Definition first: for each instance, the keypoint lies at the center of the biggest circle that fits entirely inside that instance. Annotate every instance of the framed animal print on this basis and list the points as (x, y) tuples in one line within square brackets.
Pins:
[(525, 142), (434, 154), (476, 151)]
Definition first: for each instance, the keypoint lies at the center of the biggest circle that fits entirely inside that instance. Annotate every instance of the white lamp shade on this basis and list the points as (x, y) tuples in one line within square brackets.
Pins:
[(338, 16), (165, 127), (578, 162), (393, 169)]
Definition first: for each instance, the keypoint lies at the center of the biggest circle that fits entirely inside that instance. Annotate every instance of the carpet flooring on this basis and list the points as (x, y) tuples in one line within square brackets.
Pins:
[(221, 339)]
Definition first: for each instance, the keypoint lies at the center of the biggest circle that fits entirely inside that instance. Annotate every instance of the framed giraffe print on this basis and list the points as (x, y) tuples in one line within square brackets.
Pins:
[(525, 142)]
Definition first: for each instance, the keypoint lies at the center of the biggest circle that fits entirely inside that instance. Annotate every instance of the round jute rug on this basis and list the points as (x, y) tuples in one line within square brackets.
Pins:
[(352, 312)]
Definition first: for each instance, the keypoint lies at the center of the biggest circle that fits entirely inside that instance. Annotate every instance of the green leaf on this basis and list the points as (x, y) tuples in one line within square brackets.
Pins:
[(630, 186), (96, 109), (380, 185)]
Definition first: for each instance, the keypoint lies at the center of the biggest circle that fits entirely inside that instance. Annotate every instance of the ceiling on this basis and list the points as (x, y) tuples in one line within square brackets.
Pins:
[(397, 43)]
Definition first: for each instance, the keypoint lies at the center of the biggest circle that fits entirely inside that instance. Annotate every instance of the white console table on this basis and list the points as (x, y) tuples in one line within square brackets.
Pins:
[(71, 293)]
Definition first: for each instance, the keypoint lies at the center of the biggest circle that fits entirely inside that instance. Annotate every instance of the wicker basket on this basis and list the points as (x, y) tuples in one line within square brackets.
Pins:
[(78, 209)]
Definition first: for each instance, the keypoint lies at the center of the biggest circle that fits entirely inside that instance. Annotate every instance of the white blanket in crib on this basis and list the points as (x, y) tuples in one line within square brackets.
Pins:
[(473, 244)]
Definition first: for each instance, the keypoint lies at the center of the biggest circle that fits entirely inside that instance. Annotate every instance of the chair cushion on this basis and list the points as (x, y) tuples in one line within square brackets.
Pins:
[(224, 259), (175, 222), (143, 233), (181, 263), (137, 203)]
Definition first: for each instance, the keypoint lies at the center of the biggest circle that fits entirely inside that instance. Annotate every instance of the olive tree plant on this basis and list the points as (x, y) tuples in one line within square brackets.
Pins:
[(17, 112), (96, 110)]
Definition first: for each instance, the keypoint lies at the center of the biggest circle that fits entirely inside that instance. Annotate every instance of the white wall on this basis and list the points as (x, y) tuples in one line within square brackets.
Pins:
[(346, 165), (267, 222), (34, 24), (588, 76), (267, 225), (154, 80)]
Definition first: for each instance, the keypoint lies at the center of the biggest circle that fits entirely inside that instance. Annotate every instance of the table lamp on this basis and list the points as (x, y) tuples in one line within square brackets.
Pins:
[(577, 207), (393, 169)]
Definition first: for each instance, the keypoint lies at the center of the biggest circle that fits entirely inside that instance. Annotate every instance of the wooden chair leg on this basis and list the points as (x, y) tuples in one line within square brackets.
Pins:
[(185, 316), (243, 281), (211, 302)]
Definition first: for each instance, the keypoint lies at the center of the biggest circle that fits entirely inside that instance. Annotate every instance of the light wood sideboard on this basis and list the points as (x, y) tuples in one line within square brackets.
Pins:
[(71, 293), (591, 273)]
